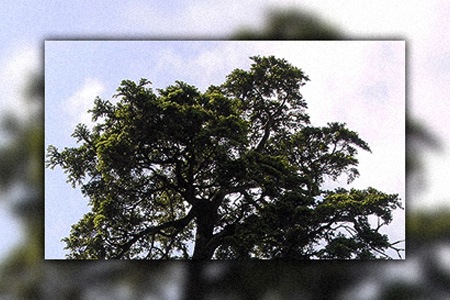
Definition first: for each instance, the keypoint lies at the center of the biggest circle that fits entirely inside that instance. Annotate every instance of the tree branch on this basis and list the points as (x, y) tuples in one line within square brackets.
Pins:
[(180, 223), (217, 238)]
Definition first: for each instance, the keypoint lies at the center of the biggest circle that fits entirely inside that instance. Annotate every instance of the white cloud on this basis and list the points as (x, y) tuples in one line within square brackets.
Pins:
[(205, 65), (16, 71), (201, 18), (77, 105), (214, 17)]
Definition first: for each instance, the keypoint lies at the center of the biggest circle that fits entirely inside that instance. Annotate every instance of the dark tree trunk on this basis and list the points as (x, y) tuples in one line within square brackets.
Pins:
[(194, 288), (206, 219)]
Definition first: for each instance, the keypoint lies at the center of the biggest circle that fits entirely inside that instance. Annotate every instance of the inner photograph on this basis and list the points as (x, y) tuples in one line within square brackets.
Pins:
[(214, 150)]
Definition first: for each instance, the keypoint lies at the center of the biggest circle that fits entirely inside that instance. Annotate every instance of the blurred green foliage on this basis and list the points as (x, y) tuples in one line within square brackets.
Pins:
[(428, 226), (292, 24), (21, 165), (419, 140)]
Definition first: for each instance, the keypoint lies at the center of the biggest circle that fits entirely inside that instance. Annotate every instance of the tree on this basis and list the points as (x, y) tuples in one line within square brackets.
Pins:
[(235, 172)]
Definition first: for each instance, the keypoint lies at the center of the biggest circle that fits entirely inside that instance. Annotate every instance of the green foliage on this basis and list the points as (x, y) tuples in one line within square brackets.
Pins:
[(425, 227), (238, 166)]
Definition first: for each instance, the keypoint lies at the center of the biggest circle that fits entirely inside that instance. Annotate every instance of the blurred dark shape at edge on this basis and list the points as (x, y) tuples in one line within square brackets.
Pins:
[(27, 276), (292, 24), (419, 140)]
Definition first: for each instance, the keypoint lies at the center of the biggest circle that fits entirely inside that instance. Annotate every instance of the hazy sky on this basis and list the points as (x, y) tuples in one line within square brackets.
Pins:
[(423, 24), (359, 83)]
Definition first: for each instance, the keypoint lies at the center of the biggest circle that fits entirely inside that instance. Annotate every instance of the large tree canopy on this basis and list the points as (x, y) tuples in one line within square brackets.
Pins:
[(234, 172)]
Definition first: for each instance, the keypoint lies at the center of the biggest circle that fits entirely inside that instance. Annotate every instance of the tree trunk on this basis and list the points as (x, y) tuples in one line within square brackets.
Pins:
[(206, 219), (204, 235), (194, 284)]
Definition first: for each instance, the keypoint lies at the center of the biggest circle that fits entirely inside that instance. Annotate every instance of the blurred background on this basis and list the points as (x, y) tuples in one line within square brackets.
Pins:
[(24, 25)]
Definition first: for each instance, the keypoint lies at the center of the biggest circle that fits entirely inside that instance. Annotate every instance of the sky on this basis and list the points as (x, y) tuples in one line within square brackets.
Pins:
[(361, 83), (423, 24)]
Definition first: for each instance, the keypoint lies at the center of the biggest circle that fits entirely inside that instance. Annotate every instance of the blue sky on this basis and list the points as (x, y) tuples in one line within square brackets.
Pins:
[(360, 83), (424, 24)]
